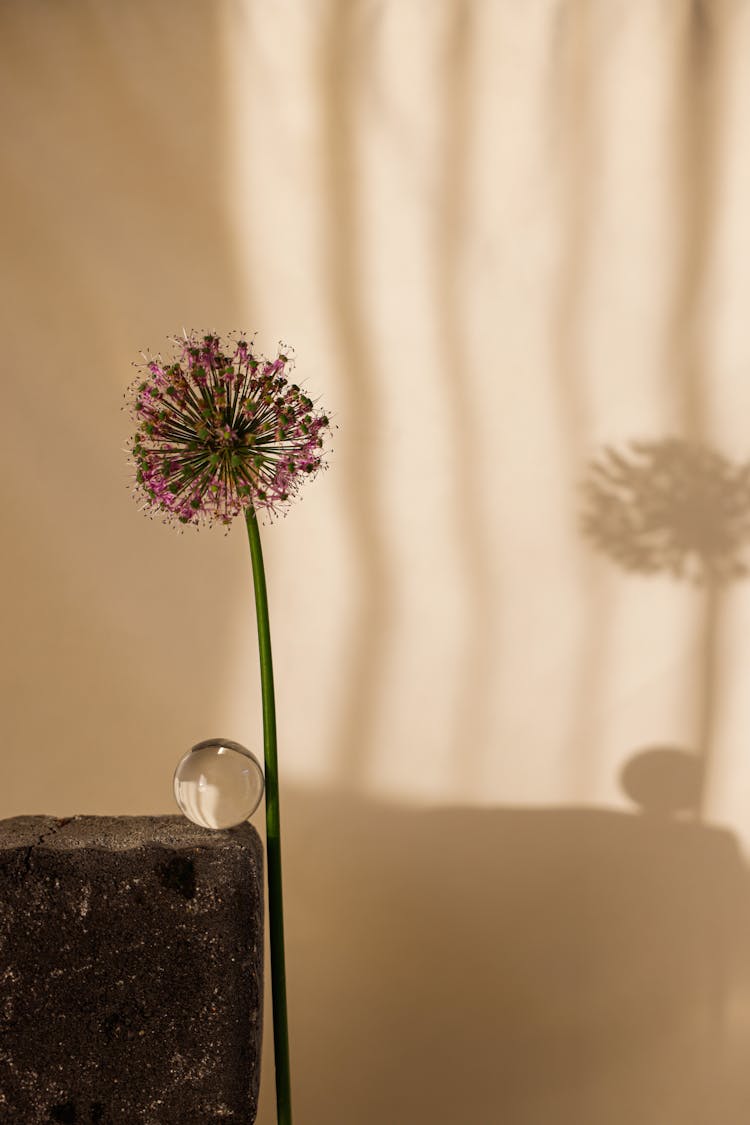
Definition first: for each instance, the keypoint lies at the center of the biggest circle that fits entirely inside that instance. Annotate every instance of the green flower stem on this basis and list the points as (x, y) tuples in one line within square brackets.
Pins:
[(273, 833)]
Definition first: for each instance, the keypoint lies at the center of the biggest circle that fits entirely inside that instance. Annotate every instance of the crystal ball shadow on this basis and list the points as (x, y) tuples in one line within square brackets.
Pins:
[(663, 780)]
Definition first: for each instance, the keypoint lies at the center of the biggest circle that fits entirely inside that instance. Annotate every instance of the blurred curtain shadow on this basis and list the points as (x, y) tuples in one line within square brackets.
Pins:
[(343, 64), (453, 218), (574, 105)]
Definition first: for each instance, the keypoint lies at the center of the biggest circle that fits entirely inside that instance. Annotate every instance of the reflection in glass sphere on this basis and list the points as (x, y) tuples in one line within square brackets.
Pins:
[(218, 784)]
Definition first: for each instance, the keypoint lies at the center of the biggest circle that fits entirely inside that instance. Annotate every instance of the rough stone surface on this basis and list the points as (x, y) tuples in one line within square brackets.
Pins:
[(131, 970)]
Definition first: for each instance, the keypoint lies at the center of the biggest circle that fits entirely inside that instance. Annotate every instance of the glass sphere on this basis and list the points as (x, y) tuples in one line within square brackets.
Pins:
[(218, 784)]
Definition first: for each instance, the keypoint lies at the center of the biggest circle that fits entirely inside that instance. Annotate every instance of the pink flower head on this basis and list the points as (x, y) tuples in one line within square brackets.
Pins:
[(220, 429)]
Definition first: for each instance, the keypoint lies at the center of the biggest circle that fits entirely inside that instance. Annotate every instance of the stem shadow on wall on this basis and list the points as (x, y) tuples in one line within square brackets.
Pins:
[(682, 509)]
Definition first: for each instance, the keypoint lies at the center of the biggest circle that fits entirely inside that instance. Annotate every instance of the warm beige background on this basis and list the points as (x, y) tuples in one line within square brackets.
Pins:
[(499, 234)]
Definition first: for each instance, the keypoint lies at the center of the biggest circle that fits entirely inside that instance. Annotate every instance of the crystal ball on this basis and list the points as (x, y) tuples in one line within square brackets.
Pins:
[(218, 784)]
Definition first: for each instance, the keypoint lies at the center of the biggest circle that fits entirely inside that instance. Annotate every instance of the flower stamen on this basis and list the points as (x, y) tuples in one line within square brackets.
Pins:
[(218, 433)]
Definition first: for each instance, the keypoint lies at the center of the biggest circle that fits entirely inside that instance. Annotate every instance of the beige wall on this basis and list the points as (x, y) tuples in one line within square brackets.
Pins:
[(500, 236)]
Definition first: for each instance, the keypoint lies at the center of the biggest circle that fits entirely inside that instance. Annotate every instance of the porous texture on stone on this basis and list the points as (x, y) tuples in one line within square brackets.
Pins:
[(131, 970)]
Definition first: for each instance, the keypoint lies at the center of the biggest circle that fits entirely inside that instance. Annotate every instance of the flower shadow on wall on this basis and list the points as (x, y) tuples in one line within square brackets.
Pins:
[(670, 506), (679, 508)]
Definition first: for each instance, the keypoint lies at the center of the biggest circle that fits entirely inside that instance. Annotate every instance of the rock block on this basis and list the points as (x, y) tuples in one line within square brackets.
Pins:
[(131, 971)]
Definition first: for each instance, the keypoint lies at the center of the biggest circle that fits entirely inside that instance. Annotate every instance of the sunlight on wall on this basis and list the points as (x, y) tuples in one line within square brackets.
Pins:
[(482, 250)]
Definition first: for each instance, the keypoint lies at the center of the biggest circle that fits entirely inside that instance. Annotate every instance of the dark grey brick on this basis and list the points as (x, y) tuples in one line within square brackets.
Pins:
[(131, 970)]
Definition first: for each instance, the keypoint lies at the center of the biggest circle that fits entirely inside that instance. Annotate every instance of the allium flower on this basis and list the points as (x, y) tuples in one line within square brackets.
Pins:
[(670, 505), (219, 430)]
